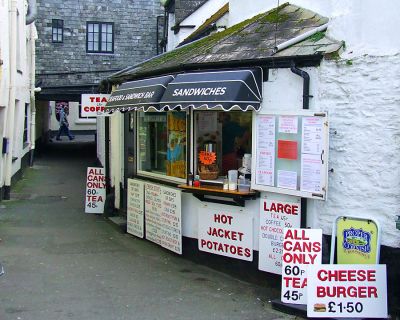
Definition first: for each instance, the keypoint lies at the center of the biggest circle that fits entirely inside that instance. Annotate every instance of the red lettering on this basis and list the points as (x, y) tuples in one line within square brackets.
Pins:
[(320, 292), (372, 292), (222, 218)]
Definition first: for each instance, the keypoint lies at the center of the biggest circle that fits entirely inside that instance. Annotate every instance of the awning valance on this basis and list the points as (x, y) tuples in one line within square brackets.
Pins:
[(138, 95), (227, 89)]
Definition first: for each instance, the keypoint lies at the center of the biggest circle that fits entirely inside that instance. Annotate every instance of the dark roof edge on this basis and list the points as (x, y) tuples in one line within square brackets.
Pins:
[(188, 15), (269, 62)]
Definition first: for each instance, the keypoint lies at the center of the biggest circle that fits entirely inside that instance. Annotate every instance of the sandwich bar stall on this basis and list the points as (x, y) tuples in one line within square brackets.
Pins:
[(215, 165)]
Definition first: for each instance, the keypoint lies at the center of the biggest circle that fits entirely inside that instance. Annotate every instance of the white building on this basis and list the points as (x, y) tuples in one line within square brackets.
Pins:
[(353, 63), (17, 71)]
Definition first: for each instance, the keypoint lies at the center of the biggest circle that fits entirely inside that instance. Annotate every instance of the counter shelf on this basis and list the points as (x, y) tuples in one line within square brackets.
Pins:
[(215, 194)]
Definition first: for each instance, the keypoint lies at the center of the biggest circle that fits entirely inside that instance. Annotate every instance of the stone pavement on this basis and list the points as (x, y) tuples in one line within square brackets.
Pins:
[(61, 263)]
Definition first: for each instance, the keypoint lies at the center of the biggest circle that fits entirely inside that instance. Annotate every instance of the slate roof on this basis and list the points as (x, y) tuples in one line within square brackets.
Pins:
[(249, 42), (184, 8)]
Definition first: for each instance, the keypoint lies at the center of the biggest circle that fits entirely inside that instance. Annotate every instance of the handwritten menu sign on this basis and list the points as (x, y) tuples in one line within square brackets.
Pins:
[(265, 161), (274, 217), (135, 214), (163, 216)]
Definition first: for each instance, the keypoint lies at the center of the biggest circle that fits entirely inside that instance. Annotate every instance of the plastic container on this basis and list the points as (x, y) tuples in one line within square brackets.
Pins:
[(243, 185), (232, 177)]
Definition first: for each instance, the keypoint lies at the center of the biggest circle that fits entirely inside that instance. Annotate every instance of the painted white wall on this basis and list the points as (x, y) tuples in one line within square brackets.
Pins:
[(22, 79), (363, 104), (116, 154), (367, 27), (4, 78), (196, 19)]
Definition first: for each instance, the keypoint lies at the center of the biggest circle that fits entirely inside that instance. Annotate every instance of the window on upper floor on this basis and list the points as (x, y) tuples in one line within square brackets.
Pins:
[(57, 26), (100, 37)]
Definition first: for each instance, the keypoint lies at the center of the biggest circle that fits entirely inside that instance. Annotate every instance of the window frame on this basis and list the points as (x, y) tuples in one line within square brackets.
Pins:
[(157, 176), (55, 25), (25, 135), (99, 48)]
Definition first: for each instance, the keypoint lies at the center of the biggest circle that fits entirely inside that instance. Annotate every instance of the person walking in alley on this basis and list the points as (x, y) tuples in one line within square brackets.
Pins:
[(64, 126)]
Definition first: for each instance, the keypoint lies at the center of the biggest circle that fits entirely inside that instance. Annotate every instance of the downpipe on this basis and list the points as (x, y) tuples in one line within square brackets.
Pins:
[(32, 91), (306, 106)]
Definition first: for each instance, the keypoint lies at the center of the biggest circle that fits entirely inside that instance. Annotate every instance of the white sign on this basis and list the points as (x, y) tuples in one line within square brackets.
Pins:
[(347, 290), (312, 135), (95, 190), (135, 212), (287, 179), (288, 124), (163, 216), (301, 248), (311, 173), (226, 233), (93, 104), (274, 217), (265, 161)]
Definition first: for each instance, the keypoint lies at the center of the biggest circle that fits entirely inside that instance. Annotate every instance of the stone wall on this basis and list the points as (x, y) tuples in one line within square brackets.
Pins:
[(68, 63)]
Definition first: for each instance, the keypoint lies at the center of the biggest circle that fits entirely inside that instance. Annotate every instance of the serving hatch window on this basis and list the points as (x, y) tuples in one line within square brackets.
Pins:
[(162, 144), (223, 135)]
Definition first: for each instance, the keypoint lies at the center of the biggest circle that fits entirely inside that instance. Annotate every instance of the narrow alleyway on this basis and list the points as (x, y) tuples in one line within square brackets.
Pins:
[(61, 263)]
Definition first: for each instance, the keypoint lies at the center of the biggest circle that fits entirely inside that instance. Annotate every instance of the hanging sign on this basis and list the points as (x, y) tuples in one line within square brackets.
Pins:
[(95, 190), (226, 233), (347, 291), (301, 248), (275, 215), (135, 210), (93, 104), (357, 241)]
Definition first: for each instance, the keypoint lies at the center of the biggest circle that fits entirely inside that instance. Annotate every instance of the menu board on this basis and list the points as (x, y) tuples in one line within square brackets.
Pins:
[(275, 215), (291, 154), (265, 167), (135, 214), (163, 216)]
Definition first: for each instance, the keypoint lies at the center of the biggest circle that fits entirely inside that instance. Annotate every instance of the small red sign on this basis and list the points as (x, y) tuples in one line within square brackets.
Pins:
[(287, 149), (207, 157)]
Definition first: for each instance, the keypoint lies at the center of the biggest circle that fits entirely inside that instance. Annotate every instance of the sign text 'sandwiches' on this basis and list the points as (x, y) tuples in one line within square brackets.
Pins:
[(219, 91)]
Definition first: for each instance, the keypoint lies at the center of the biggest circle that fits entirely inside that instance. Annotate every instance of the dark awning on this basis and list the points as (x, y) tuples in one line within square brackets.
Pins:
[(140, 94), (227, 89)]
